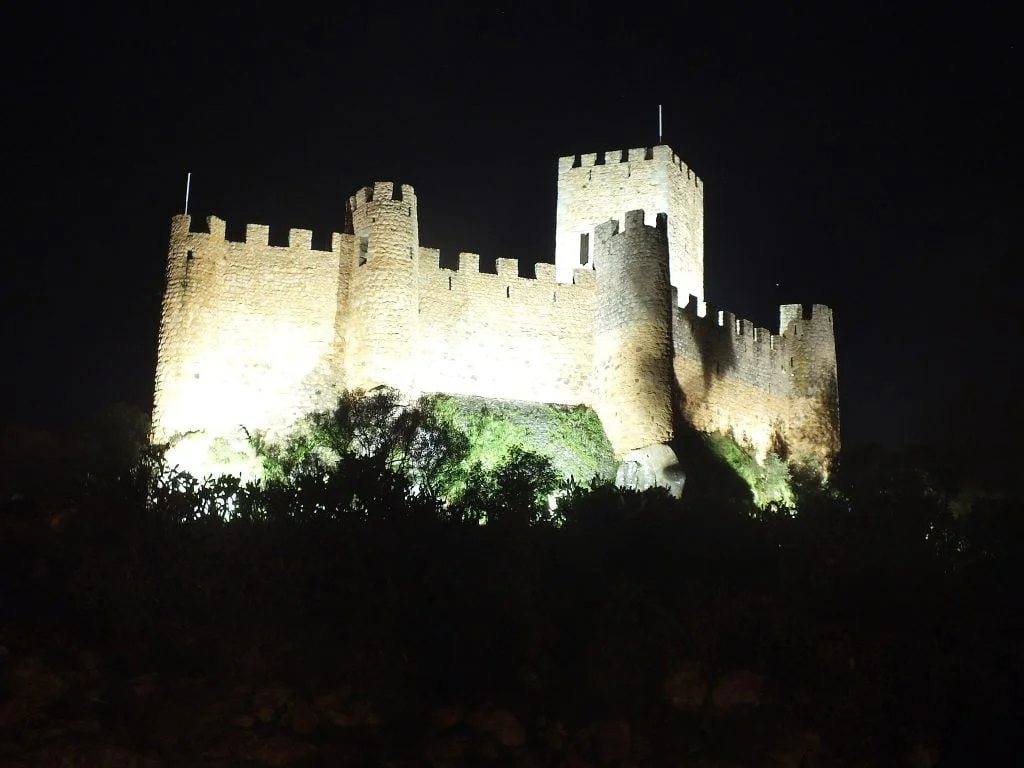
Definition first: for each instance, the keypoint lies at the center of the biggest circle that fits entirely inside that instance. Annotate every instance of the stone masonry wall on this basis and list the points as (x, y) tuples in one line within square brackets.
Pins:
[(769, 390), (248, 331), (502, 335)]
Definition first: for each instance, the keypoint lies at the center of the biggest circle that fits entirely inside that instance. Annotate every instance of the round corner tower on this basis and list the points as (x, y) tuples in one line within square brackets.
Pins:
[(167, 390), (382, 316), (633, 333)]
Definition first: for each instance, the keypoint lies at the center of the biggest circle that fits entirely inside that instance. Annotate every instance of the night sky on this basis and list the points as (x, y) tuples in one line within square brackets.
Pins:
[(868, 160)]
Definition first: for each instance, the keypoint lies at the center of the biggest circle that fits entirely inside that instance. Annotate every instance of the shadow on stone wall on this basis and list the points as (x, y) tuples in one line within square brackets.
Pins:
[(715, 348), (707, 475), (826, 411)]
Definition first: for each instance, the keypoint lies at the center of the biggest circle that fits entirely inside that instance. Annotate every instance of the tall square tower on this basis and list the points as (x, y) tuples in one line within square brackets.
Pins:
[(596, 187)]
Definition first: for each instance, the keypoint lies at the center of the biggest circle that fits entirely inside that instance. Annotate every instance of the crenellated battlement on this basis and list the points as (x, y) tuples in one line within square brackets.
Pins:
[(430, 261), (797, 363), (472, 292), (610, 157), (469, 262), (544, 272), (635, 220), (505, 269), (632, 226), (726, 322), (606, 230), (300, 238), (622, 160), (804, 313), (380, 192), (255, 235)]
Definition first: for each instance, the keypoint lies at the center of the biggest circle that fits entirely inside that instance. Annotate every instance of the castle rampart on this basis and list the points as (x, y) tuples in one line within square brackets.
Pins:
[(501, 335), (256, 335), (770, 390)]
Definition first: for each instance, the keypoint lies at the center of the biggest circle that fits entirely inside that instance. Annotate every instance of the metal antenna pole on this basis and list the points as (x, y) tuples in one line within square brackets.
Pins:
[(659, 123), (188, 185)]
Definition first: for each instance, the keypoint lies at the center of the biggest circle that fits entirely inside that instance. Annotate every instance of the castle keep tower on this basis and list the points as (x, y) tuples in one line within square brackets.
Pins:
[(383, 296), (596, 187), (633, 333)]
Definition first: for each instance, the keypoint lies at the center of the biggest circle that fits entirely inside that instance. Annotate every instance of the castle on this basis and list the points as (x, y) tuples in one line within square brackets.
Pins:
[(259, 335)]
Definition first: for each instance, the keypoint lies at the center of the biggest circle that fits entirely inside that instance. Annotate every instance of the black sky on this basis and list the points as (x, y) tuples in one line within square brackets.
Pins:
[(867, 158)]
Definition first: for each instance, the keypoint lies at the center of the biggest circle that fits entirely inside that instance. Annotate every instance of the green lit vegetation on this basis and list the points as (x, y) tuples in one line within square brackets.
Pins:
[(373, 450), (570, 436), (769, 480), (231, 455), (456, 449)]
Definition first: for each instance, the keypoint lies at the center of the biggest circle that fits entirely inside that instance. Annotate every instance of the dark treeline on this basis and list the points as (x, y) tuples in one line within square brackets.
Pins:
[(349, 617)]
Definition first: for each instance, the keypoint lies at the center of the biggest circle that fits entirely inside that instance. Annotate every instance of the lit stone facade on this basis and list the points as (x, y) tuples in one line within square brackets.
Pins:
[(256, 335)]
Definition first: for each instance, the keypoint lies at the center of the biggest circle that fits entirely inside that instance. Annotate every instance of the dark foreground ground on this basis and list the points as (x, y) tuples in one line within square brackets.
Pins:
[(878, 632)]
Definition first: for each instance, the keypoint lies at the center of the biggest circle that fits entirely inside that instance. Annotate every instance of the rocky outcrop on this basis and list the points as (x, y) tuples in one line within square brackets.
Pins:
[(655, 466)]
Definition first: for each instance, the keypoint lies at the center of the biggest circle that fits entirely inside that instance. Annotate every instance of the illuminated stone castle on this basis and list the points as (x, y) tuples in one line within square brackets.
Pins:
[(258, 335)]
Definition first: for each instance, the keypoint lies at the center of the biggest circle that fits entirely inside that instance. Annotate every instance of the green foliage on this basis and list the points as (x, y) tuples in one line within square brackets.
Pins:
[(490, 434), (579, 429), (769, 481), (570, 436), (515, 492), (373, 455), (228, 453), (376, 430)]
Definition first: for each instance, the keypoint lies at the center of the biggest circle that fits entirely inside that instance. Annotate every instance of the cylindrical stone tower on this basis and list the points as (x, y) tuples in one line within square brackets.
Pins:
[(382, 316), (633, 333), (167, 394)]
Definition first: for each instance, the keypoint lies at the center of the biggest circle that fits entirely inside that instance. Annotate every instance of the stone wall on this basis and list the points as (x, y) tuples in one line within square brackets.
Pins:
[(773, 391), (501, 335), (248, 330)]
